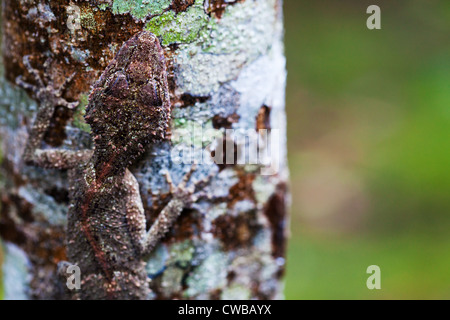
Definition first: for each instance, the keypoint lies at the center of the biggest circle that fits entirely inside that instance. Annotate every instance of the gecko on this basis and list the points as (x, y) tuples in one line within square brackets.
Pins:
[(128, 111)]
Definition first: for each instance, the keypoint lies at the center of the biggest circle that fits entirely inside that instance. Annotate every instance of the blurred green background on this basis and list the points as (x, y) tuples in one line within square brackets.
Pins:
[(368, 131)]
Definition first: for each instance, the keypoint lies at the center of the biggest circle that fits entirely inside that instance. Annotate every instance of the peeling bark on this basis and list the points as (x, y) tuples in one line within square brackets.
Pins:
[(227, 71)]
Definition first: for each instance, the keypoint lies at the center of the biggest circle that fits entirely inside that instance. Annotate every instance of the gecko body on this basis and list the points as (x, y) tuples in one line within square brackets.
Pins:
[(128, 111)]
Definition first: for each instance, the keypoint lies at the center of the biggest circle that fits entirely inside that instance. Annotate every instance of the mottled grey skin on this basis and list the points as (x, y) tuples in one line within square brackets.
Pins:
[(129, 110)]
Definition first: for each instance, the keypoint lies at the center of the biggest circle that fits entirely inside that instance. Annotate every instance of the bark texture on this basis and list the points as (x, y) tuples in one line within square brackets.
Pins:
[(227, 71)]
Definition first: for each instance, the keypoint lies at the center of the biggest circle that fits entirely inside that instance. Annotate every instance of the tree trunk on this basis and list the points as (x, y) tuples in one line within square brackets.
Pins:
[(227, 71)]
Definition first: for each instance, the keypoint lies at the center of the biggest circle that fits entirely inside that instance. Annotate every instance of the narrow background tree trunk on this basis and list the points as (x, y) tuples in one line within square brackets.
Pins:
[(227, 71)]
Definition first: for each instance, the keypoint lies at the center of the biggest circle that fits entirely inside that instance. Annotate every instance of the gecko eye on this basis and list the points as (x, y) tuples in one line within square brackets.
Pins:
[(118, 87), (150, 95)]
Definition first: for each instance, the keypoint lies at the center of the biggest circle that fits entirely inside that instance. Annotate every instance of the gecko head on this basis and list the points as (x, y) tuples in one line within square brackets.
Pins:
[(129, 107)]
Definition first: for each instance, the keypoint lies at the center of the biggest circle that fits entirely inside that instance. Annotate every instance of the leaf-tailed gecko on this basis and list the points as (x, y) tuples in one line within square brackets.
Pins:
[(128, 110)]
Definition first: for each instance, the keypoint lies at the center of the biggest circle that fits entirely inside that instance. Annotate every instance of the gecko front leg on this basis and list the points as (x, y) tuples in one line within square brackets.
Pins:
[(49, 97)]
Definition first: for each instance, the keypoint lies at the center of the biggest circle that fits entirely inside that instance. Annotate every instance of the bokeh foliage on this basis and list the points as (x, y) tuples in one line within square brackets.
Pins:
[(368, 130)]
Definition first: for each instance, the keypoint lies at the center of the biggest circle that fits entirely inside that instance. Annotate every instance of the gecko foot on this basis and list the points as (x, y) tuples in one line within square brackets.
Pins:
[(183, 196), (46, 92), (188, 194)]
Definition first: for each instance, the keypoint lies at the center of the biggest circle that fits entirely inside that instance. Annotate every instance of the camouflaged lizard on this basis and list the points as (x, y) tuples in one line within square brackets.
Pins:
[(128, 111)]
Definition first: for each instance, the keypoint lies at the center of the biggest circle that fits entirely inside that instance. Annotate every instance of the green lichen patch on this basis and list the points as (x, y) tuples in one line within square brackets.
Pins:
[(140, 9), (236, 292), (103, 6), (78, 117), (209, 276), (193, 133), (182, 253), (171, 282), (245, 32), (90, 19), (184, 27)]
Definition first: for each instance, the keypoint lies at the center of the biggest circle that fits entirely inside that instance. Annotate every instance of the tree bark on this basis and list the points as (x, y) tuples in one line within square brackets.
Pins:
[(227, 71)]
